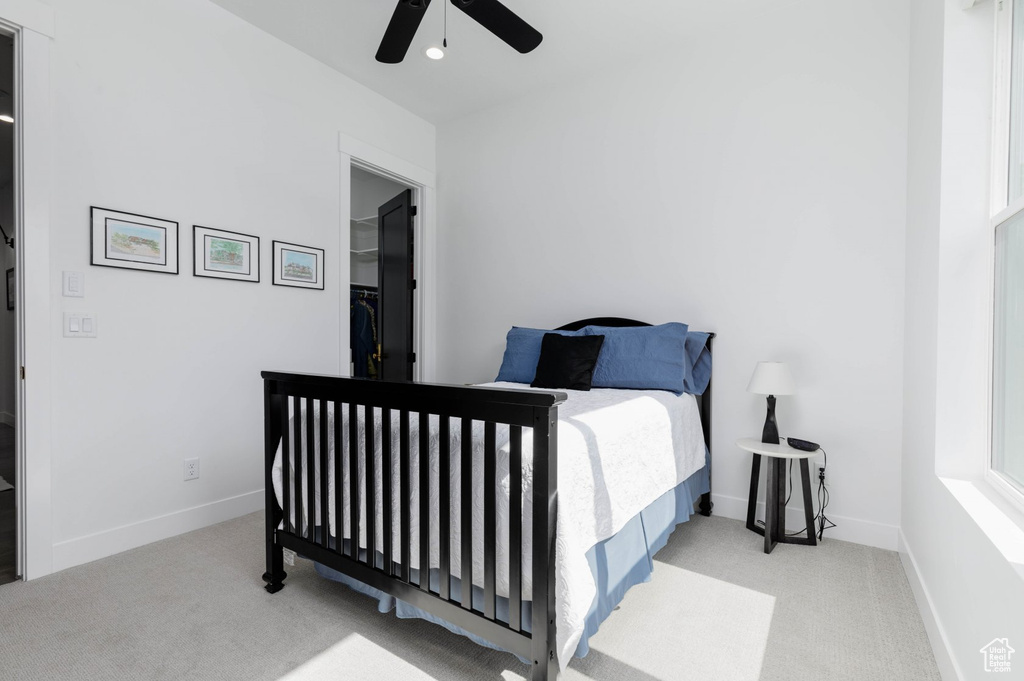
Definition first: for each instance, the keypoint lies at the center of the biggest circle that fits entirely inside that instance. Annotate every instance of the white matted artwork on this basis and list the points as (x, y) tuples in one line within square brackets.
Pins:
[(299, 266), (221, 254), (134, 242)]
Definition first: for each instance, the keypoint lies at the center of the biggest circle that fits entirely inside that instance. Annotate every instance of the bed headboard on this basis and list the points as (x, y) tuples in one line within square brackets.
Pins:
[(703, 401), (611, 321), (600, 321)]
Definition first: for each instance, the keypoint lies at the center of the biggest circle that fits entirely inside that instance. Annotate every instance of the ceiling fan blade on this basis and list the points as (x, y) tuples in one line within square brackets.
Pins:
[(402, 29), (502, 22)]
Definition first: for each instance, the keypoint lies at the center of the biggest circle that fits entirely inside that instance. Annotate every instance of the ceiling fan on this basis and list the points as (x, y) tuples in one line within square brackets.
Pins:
[(491, 14)]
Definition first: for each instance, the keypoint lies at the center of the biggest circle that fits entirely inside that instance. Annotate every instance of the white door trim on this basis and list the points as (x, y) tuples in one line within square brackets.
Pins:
[(381, 160), (368, 157)]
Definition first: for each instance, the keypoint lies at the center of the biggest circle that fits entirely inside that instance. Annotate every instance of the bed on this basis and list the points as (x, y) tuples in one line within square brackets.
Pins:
[(519, 444)]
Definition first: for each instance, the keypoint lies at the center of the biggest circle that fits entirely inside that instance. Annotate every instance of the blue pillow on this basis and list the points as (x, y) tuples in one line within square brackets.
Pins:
[(699, 359), (642, 357), (522, 352)]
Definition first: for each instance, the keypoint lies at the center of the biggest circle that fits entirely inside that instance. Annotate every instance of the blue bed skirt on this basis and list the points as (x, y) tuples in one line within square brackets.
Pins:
[(618, 563)]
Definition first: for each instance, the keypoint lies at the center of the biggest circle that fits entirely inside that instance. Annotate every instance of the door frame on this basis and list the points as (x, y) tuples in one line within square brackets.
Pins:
[(32, 24), (423, 183)]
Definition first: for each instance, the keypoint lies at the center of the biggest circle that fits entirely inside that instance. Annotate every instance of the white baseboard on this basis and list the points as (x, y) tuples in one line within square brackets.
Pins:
[(109, 542), (7, 419), (948, 667), (858, 531)]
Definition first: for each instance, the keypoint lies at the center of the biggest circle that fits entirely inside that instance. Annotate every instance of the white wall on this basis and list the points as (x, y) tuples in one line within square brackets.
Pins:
[(183, 111), (968, 592), (752, 183)]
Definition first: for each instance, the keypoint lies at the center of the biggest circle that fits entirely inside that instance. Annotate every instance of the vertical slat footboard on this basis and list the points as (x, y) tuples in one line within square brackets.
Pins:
[(466, 513), (275, 574), (444, 520), (515, 530), (490, 520), (387, 473), (424, 536), (375, 492), (545, 477)]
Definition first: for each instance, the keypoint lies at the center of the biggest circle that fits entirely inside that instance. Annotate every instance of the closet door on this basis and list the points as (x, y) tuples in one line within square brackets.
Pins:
[(395, 284)]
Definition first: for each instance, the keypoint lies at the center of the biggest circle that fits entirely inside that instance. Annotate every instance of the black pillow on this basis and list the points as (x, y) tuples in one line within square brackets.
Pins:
[(567, 361)]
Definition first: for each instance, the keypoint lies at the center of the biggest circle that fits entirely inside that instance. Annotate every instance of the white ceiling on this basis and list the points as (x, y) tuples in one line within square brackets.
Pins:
[(580, 37)]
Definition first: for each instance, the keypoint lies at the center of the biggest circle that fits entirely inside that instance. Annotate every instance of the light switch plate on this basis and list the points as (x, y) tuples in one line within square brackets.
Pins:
[(74, 285), (79, 325)]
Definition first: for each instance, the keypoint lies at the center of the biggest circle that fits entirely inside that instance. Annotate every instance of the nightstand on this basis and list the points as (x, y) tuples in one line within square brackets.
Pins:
[(774, 530)]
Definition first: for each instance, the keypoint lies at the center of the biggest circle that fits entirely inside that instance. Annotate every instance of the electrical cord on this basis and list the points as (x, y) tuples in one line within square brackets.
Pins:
[(788, 496), (820, 521), (823, 497)]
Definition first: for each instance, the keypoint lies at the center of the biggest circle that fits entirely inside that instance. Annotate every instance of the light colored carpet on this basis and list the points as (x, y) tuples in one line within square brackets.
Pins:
[(717, 609)]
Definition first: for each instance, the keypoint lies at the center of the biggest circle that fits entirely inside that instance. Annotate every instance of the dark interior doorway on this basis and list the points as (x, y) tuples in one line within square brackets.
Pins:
[(8, 342), (382, 278)]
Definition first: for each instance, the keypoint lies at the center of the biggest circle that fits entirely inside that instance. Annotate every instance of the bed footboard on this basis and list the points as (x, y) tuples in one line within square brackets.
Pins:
[(303, 441)]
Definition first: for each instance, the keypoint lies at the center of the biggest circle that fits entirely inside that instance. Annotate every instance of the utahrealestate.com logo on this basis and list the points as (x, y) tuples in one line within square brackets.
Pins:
[(997, 655)]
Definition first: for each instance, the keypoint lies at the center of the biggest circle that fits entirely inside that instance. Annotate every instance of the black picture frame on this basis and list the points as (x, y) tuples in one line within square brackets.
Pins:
[(296, 274), (249, 269), (161, 238)]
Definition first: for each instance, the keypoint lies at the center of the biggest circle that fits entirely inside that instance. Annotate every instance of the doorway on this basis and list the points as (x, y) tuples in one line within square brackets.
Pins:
[(8, 324), (382, 276)]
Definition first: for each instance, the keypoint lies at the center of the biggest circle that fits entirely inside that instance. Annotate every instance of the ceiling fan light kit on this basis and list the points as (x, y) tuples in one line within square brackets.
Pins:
[(491, 14)]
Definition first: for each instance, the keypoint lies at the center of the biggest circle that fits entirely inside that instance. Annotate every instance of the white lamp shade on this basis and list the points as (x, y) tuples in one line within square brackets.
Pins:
[(771, 378)]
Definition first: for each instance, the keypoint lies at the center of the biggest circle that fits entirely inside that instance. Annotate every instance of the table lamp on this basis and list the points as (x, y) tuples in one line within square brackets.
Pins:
[(771, 379)]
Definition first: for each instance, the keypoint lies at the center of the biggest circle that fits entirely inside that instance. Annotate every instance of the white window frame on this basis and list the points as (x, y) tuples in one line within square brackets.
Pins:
[(1001, 211)]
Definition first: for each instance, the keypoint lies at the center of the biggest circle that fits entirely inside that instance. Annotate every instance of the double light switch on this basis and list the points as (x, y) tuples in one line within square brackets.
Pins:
[(79, 325)]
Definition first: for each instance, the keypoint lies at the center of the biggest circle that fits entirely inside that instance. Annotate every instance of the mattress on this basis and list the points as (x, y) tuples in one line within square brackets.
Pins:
[(618, 450)]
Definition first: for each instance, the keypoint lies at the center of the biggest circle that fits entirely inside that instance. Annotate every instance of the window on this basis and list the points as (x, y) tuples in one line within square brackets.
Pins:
[(1008, 358), (1016, 93), (1007, 455)]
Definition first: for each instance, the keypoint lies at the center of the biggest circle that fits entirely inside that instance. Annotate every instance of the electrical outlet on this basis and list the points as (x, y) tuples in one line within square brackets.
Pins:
[(191, 469)]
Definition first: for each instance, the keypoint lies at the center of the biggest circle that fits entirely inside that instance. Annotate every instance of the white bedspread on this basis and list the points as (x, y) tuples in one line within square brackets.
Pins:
[(618, 451)]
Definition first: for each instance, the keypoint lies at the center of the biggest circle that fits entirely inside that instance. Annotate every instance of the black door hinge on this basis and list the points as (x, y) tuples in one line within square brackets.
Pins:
[(412, 357), (412, 284), (412, 211)]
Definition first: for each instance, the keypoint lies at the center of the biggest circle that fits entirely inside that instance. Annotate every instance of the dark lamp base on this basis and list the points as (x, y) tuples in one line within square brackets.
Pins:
[(770, 434)]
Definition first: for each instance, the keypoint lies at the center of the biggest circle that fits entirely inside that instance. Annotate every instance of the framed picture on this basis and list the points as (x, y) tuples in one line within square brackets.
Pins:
[(10, 289), (300, 266), (221, 254), (134, 242)]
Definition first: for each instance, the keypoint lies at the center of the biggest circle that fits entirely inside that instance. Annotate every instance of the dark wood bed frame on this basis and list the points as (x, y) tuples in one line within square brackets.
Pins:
[(517, 408)]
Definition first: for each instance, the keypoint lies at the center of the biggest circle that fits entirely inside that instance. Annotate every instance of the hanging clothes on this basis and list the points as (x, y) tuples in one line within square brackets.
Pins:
[(363, 333)]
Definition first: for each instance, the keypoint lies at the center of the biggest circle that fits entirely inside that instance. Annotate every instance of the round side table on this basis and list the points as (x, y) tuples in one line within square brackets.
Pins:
[(774, 530)]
